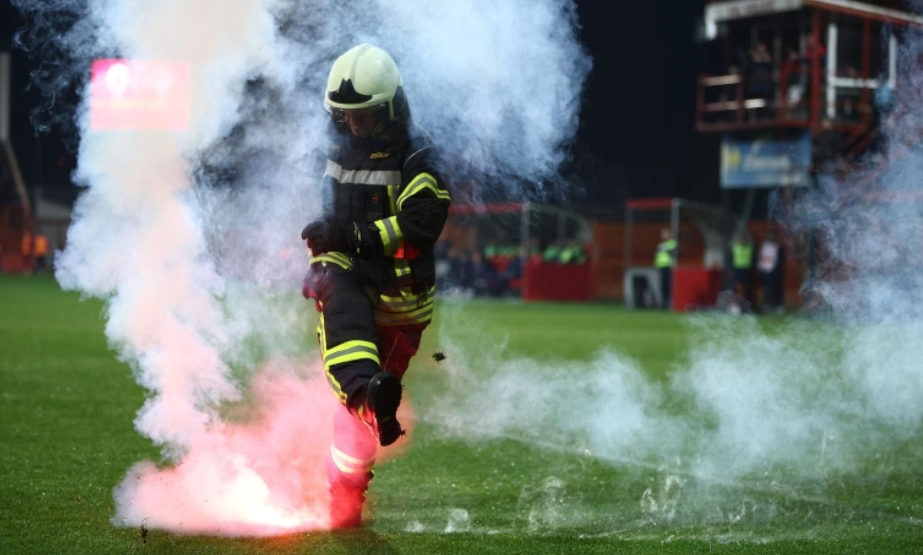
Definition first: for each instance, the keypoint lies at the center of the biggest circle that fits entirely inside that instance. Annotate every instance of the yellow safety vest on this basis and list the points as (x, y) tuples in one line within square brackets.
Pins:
[(664, 257), (743, 256)]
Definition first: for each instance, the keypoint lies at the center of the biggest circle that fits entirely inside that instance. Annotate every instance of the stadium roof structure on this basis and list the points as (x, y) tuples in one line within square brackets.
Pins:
[(740, 9)]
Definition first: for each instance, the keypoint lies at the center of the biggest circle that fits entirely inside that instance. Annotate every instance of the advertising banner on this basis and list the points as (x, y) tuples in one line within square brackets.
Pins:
[(139, 94), (765, 162)]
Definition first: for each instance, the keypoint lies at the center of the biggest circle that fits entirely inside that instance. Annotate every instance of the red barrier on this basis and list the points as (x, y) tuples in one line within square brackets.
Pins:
[(556, 282), (695, 287)]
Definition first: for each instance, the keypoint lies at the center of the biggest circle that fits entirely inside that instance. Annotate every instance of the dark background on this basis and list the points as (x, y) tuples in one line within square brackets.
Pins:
[(637, 135)]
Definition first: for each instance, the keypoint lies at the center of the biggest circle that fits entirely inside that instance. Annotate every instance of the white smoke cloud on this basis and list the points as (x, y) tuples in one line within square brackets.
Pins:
[(829, 393), (192, 237)]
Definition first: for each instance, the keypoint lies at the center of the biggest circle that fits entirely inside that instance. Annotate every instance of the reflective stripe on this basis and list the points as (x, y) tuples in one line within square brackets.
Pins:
[(403, 306), (401, 267), (392, 197), (408, 313), (334, 384), (350, 465), (398, 319), (337, 258), (362, 177), (351, 351), (420, 183), (409, 308), (392, 238), (409, 296)]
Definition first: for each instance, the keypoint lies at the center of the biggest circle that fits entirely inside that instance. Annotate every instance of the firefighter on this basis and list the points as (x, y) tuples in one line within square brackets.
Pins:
[(372, 273)]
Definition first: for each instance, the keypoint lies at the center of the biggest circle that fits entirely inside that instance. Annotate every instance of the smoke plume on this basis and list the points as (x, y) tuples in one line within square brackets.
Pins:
[(834, 391), (192, 237)]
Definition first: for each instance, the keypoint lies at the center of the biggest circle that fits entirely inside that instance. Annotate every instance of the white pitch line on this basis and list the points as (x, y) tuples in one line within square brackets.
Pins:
[(705, 478)]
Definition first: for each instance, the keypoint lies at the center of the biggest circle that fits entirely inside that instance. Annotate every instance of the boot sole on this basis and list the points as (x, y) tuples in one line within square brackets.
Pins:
[(384, 396)]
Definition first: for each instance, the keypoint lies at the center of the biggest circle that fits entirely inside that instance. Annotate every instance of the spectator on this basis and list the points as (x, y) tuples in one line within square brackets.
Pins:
[(573, 253), (742, 260), (665, 261), (816, 49), (760, 82), (884, 98), (797, 71), (483, 277), (552, 253), (492, 249), (769, 265), (460, 274), (41, 253), (512, 275)]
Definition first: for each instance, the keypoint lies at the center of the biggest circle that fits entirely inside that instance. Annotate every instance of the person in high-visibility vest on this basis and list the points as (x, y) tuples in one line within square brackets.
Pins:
[(742, 259), (573, 253), (552, 253), (664, 261), (41, 252)]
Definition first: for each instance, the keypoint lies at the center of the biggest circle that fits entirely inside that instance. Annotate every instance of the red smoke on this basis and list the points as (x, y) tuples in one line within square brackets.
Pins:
[(258, 472)]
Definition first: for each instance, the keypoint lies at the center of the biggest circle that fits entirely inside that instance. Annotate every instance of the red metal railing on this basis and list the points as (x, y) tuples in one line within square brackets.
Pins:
[(728, 103)]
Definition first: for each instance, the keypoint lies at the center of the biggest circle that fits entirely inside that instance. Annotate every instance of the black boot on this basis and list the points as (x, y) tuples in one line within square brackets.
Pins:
[(378, 408)]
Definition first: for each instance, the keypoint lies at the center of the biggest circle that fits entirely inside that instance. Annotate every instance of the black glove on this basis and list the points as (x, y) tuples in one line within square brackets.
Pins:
[(324, 236)]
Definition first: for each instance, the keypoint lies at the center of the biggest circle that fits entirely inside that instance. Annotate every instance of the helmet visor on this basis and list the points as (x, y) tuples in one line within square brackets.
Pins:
[(339, 114)]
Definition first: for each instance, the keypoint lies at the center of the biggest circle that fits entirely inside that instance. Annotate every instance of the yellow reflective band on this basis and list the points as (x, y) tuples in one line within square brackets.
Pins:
[(334, 384), (337, 258), (420, 183), (351, 351), (401, 267), (321, 335), (408, 295), (398, 318), (350, 464), (404, 308), (350, 459), (392, 200), (392, 238)]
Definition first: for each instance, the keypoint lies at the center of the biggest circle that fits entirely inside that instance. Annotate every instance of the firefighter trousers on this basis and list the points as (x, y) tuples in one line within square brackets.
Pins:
[(362, 331)]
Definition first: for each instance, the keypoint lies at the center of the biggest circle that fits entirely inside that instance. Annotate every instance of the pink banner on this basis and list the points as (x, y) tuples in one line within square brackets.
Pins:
[(136, 94)]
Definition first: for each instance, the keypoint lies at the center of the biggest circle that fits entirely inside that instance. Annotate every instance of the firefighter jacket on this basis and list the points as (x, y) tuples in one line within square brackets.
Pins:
[(391, 185)]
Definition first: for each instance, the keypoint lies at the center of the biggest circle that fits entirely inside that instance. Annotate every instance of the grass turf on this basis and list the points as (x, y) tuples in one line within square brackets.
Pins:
[(66, 439)]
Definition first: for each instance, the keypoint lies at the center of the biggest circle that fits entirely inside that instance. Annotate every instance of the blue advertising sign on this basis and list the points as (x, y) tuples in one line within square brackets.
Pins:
[(765, 162)]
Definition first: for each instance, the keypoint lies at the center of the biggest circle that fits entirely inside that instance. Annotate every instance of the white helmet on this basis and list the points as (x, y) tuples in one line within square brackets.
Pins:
[(364, 78)]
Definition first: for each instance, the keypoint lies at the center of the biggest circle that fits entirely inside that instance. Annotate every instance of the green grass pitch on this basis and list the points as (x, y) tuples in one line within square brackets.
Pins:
[(66, 439)]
